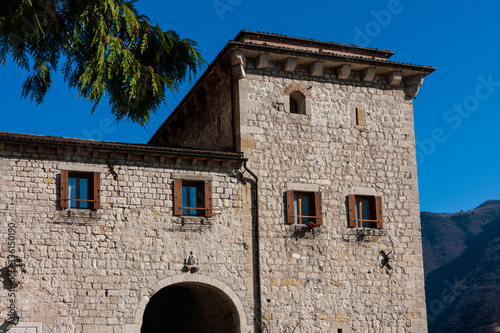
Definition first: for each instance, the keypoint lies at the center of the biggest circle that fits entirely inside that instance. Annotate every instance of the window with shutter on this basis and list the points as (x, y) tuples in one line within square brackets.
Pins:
[(365, 211), (304, 207), (193, 198), (80, 190)]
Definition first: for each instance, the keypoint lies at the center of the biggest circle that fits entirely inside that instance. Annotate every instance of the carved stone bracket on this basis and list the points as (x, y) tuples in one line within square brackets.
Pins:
[(343, 72), (317, 68), (262, 61), (238, 63), (394, 78), (369, 74), (413, 85), (289, 65)]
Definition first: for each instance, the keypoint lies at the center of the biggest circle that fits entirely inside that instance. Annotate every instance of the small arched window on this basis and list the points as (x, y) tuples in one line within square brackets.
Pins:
[(297, 103)]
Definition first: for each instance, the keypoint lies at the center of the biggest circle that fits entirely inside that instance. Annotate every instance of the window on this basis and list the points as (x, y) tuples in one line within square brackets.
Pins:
[(80, 190), (193, 198), (297, 102), (293, 105), (365, 211), (304, 207)]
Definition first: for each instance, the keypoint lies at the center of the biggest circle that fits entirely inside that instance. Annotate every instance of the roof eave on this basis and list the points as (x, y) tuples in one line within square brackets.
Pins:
[(46, 141)]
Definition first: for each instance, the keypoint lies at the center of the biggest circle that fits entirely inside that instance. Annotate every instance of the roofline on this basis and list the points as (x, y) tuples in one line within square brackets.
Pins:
[(387, 53), (143, 149), (325, 56), (233, 44)]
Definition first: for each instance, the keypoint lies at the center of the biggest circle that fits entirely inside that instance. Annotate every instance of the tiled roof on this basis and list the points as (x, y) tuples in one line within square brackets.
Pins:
[(117, 146), (328, 47), (314, 40), (312, 46)]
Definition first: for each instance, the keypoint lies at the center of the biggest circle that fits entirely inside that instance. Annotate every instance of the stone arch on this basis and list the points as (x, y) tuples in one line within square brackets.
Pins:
[(197, 283)]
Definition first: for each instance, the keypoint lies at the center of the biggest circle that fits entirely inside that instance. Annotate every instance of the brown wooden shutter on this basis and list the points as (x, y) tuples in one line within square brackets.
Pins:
[(351, 203), (209, 212), (318, 208), (178, 197), (378, 212), (96, 190), (63, 190), (289, 207)]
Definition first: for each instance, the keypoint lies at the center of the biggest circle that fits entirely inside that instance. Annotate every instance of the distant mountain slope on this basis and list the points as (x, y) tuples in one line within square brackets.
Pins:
[(462, 266)]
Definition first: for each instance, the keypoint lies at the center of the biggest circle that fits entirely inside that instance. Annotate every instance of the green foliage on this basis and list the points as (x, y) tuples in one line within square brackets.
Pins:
[(108, 48)]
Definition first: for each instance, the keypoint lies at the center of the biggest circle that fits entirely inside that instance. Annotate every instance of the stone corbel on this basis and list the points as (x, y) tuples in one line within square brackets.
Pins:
[(394, 78), (369, 74), (343, 72), (262, 61), (238, 63), (413, 84), (289, 65), (238, 58), (317, 68)]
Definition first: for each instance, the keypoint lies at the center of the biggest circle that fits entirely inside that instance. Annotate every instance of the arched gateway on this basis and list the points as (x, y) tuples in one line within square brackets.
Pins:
[(183, 304)]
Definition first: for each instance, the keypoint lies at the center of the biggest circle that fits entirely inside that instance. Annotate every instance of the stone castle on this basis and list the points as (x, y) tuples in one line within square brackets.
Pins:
[(280, 195)]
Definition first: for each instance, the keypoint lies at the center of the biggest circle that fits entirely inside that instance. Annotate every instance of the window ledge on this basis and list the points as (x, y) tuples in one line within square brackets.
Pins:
[(301, 231), (71, 213), (364, 235), (193, 223)]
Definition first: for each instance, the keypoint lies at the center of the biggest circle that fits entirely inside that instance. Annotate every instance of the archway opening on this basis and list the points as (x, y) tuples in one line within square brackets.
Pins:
[(190, 307)]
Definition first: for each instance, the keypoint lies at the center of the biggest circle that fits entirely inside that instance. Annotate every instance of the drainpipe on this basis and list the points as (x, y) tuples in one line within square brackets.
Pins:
[(256, 250), (233, 108)]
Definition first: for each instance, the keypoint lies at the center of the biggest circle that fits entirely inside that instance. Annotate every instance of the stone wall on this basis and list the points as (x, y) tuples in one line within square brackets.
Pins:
[(211, 126), (332, 281), (92, 271)]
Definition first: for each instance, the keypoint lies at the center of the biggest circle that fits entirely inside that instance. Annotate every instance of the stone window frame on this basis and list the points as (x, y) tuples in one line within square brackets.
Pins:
[(316, 206), (303, 103), (375, 219), (203, 185)]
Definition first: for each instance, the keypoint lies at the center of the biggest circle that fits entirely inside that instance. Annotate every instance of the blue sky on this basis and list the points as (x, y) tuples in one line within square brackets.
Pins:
[(456, 111)]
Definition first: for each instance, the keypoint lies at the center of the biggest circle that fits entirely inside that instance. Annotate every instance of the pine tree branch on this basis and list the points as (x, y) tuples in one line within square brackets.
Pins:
[(38, 21), (56, 18)]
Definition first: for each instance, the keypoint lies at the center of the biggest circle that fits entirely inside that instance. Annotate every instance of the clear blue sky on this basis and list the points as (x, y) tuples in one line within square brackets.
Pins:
[(456, 112)]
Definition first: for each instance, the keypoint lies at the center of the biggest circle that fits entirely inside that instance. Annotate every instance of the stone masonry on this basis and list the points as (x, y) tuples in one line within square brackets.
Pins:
[(98, 270)]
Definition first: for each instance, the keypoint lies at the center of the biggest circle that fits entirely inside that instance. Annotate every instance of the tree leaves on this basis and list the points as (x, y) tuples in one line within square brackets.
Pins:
[(109, 50)]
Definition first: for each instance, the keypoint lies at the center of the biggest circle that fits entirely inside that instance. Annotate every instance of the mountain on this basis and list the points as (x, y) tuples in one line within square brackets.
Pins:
[(462, 269)]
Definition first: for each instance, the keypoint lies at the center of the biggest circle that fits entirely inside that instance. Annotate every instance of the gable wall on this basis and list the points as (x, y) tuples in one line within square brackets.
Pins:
[(211, 126)]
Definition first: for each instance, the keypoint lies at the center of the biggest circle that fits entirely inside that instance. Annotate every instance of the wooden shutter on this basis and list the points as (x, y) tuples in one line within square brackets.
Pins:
[(378, 212), (63, 190), (96, 190), (318, 208), (209, 212), (178, 197), (351, 203), (289, 207)]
